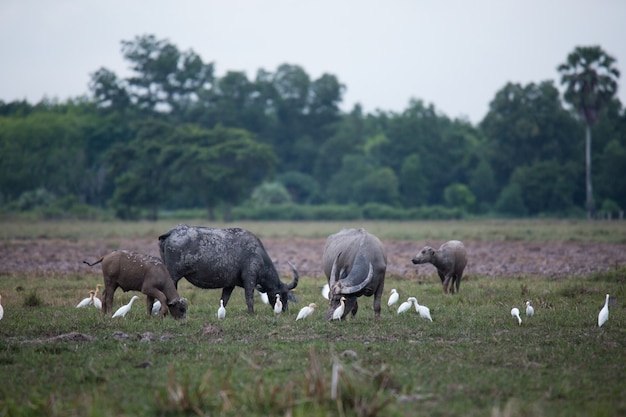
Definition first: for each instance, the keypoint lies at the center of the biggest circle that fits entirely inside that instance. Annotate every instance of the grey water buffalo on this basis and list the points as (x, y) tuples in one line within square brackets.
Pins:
[(223, 258), (132, 271), (355, 264), (450, 260)]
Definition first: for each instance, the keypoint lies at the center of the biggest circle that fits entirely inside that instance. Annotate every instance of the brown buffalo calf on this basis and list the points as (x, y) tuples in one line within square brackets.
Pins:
[(132, 271)]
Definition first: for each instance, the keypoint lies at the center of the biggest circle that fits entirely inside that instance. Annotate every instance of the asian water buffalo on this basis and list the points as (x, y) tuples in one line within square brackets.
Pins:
[(355, 263), (132, 271), (223, 258), (450, 260)]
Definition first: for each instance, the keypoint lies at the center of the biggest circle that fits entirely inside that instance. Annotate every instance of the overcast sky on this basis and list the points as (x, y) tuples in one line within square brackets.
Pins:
[(454, 54)]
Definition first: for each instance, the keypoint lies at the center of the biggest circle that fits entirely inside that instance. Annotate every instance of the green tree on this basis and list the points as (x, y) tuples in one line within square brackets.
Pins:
[(347, 139), (221, 165), (482, 183), (612, 181), (342, 188), (302, 188), (524, 125), (109, 91), (165, 79), (44, 149), (414, 184), (325, 95), (447, 148), (270, 193), (546, 186), (380, 185), (510, 201), (590, 78), (139, 172), (459, 195)]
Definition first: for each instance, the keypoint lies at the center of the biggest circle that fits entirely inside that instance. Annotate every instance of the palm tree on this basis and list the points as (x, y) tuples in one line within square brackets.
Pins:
[(591, 82)]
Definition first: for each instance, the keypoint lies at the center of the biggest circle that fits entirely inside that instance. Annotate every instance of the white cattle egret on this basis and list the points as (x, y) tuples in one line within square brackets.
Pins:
[(121, 312), (306, 311), (530, 311), (325, 291), (221, 312), (515, 314), (404, 307), (1, 308), (604, 313), (278, 305), (86, 302), (339, 310), (97, 303), (423, 311), (264, 297), (156, 307), (393, 298)]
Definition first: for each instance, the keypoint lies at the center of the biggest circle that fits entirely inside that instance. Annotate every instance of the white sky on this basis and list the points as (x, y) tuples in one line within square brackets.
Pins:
[(454, 54)]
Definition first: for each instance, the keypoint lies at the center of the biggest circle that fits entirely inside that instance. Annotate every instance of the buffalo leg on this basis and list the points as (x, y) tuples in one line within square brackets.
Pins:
[(355, 308), (153, 293), (378, 295), (107, 295), (149, 304), (443, 280), (249, 293), (226, 292), (446, 284)]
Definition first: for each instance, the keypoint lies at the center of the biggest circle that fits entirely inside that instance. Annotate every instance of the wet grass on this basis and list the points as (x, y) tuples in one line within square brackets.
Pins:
[(473, 360)]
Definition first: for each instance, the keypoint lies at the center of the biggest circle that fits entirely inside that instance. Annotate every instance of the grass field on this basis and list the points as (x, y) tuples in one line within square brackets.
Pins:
[(472, 360), (495, 230)]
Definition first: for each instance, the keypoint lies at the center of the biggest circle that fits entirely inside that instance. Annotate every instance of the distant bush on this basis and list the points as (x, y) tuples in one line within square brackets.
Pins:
[(435, 213), (369, 211), (378, 211), (269, 194), (297, 212), (40, 204)]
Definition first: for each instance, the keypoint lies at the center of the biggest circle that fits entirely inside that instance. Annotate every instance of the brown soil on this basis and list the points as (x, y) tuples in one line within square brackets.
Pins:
[(504, 259)]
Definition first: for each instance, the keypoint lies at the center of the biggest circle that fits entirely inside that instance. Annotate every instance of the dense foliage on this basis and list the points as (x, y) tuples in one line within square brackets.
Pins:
[(174, 136)]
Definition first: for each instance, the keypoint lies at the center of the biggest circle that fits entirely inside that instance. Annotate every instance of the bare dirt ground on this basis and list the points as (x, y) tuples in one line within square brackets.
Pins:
[(502, 259)]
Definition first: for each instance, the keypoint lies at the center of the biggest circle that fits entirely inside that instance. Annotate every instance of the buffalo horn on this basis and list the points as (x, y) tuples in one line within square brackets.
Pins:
[(294, 283), (358, 287), (333, 271)]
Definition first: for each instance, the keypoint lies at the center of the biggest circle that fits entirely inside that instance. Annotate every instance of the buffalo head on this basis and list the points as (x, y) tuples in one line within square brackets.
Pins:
[(283, 289), (178, 308), (349, 286)]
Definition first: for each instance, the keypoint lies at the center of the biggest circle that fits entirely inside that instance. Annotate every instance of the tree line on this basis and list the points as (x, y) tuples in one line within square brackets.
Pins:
[(174, 136)]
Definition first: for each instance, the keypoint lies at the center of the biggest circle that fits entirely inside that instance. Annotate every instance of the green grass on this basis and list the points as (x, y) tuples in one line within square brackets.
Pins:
[(498, 230), (473, 360)]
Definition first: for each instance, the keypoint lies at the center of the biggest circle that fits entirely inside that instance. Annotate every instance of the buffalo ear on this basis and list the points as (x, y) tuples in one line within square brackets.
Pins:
[(291, 297)]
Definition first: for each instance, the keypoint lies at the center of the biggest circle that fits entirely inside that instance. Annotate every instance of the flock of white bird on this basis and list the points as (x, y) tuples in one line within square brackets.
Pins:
[(603, 316), (308, 310), (92, 300), (423, 311), (530, 311)]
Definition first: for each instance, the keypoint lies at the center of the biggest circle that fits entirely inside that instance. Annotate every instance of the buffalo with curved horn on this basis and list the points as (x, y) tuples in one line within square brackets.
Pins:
[(361, 261)]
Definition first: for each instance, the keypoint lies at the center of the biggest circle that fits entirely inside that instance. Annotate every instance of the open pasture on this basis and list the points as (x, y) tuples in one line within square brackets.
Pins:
[(472, 360)]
